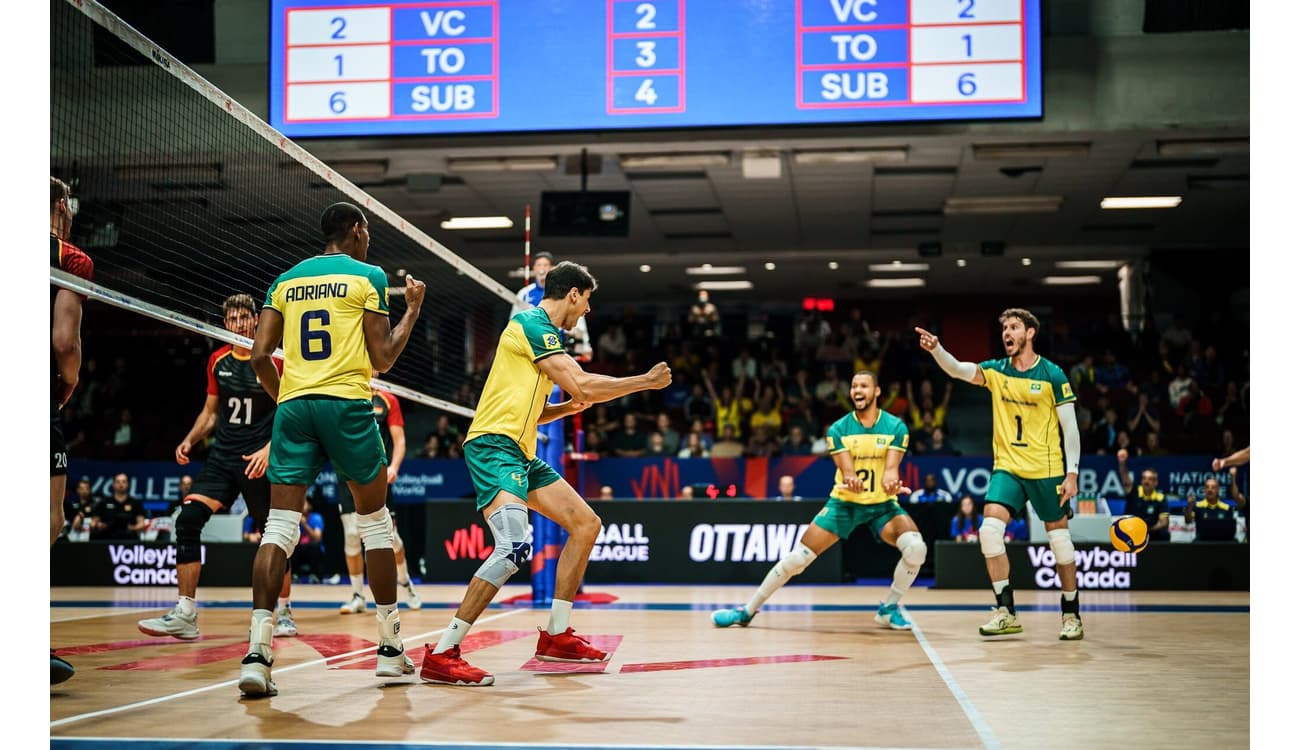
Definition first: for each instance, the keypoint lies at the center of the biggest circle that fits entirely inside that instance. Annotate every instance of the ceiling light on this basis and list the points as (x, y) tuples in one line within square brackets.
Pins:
[(673, 161), (645, 268), (961, 262), (833, 265), (993, 151), (478, 222), (1009, 204), (817, 157), (1139, 201), (1025, 261), (723, 286), (504, 164), (905, 283), (1202, 146), (899, 265), (1071, 280), (769, 266), (1089, 265), (708, 269)]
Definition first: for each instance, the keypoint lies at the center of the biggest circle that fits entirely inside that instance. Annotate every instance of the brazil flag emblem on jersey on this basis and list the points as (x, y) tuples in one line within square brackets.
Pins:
[(551, 341)]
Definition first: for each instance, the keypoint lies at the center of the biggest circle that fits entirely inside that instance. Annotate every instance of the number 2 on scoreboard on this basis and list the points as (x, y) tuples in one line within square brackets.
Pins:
[(967, 9)]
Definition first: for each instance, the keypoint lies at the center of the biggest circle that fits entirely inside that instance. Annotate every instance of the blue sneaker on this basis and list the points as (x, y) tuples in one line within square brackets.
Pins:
[(725, 618), (889, 616)]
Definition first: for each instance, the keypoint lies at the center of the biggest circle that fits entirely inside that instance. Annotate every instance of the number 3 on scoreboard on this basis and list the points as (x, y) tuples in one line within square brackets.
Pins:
[(315, 343)]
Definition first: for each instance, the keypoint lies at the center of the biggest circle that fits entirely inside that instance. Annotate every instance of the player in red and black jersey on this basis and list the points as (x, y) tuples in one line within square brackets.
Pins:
[(392, 428), (65, 348), (238, 413)]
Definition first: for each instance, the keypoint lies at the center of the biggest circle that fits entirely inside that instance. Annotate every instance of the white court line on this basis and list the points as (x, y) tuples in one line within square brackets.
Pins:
[(228, 683), (261, 743), (115, 613), (977, 721)]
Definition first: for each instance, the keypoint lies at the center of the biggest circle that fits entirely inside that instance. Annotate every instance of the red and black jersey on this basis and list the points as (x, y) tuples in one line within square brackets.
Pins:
[(388, 413), (245, 412), (67, 257)]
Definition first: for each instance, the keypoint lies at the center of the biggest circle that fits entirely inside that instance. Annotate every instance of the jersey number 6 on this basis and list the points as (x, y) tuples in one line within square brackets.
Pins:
[(321, 337)]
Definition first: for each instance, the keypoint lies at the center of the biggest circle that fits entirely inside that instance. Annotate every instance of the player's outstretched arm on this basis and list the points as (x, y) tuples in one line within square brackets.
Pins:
[(1237, 459), (384, 344), (270, 329), (968, 371), (204, 424), (565, 372)]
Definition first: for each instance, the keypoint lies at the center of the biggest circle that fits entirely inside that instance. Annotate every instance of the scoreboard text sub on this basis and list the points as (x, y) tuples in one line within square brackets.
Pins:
[(645, 56)]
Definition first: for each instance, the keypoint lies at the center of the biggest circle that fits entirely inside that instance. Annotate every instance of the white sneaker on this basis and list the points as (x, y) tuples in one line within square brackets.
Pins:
[(285, 627), (1071, 627), (255, 676), (1003, 623), (355, 605), (412, 598), (174, 623)]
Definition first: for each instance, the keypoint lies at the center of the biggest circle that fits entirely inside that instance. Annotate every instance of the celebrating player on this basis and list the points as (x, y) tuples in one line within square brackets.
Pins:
[(501, 452), (331, 311), (867, 445), (1239, 458), (241, 413), (1033, 417)]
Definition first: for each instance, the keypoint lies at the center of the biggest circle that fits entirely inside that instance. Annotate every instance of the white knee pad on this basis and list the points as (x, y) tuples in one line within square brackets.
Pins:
[(282, 529), (992, 540), (351, 535), (1062, 547), (798, 560), (375, 530), (912, 546), (397, 538), (511, 548)]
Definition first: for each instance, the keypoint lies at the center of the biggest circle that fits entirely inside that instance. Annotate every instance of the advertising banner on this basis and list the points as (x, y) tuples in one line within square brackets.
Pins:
[(146, 564)]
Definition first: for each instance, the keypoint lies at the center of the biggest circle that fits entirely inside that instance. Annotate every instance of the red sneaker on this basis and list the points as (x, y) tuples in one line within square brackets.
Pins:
[(448, 668), (567, 646)]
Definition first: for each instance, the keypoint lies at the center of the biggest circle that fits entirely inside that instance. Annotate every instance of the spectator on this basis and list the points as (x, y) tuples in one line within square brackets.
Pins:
[(118, 516), (705, 437), (77, 508), (728, 446), (122, 436), (698, 406), (687, 492), (762, 444), (810, 332), (606, 492), (785, 488), (1215, 520), (833, 349), (939, 413), (432, 447), (1143, 419), (1232, 414), (693, 448), (672, 438), (703, 319), (797, 393), (923, 436), (895, 402), (939, 445), (1123, 442), (832, 392), (1155, 388), (1209, 370), (806, 421), (1144, 500), (744, 366), (309, 556), (819, 446), (1092, 436), (1152, 447), (1017, 529), (1179, 386), (629, 442), (1109, 430), (447, 432), (796, 443), (767, 413), (1113, 374), (930, 492), (656, 448), (1227, 445), (595, 443), (1195, 409), (1176, 335), (966, 522), (612, 344), (729, 406)]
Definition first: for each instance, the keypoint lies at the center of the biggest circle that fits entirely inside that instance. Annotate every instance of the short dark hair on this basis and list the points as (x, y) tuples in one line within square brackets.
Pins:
[(338, 219), (238, 302), (568, 275), (874, 380), (539, 255), (1029, 319), (59, 190)]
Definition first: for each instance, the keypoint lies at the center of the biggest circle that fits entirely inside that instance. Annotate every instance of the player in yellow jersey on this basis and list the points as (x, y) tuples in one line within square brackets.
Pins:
[(867, 445), (331, 311), (501, 453), (1035, 460)]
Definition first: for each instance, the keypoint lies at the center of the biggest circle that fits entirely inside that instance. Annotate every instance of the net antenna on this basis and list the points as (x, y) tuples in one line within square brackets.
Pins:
[(186, 197)]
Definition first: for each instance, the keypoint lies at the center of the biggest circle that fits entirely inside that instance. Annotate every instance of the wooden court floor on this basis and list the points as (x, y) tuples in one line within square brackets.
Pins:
[(812, 670)]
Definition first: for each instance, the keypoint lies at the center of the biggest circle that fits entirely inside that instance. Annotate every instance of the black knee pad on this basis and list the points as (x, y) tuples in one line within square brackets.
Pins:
[(193, 517)]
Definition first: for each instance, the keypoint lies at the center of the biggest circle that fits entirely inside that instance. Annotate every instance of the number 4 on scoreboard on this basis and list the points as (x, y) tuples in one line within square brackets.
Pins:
[(646, 92)]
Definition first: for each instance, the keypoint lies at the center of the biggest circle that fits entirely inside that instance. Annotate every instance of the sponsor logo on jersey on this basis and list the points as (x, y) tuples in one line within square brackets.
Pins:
[(1065, 390)]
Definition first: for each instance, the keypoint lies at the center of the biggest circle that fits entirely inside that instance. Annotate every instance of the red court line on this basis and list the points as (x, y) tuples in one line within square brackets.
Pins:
[(99, 648), (665, 666), (608, 643), (473, 642)]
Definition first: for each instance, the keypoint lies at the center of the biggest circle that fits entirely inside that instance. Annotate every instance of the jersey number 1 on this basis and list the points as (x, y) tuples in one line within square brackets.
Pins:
[(320, 337)]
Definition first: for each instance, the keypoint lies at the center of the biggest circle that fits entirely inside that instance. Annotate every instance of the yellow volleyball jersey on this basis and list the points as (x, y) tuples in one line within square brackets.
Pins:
[(324, 301), (869, 446), (1026, 430), (516, 389)]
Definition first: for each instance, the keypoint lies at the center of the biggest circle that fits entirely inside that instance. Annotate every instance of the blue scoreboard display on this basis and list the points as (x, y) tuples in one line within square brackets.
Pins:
[(351, 68)]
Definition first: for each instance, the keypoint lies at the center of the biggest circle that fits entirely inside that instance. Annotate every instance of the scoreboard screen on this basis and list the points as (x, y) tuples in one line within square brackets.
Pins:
[(353, 67)]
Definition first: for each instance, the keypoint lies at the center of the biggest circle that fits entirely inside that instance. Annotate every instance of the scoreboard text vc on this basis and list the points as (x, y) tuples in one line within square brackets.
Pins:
[(350, 67)]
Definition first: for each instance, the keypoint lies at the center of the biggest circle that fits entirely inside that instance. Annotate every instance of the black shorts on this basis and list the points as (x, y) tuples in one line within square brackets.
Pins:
[(58, 447), (224, 482), (348, 505)]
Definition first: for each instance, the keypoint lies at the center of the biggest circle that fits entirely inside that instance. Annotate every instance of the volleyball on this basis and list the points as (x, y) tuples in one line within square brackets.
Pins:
[(1129, 534)]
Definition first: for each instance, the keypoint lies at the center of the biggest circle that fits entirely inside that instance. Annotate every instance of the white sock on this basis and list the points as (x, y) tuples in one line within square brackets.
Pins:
[(186, 604), (255, 631), (282, 603), (559, 622), (775, 579), (904, 575), (357, 581), (453, 635), (1071, 595), (1000, 586)]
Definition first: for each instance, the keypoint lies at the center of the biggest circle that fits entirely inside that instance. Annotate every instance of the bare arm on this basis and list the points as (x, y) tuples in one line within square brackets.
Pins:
[(552, 412), (399, 448), (565, 372), (204, 424), (270, 329), (1125, 476), (968, 371), (848, 476), (384, 344), (1237, 496), (1237, 459), (890, 482), (66, 340)]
